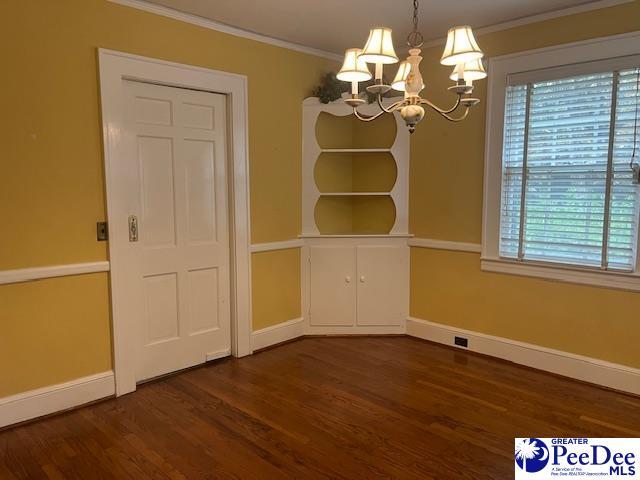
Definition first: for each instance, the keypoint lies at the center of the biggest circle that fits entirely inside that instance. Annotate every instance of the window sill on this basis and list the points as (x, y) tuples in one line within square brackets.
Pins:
[(568, 274)]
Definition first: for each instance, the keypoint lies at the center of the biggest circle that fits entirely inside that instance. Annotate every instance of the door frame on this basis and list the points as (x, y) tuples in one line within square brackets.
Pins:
[(114, 68)]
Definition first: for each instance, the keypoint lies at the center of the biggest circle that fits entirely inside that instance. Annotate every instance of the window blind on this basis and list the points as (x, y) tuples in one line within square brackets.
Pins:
[(567, 188)]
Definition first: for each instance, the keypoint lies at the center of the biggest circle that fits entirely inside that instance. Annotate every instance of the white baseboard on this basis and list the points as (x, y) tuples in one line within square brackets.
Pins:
[(599, 372), (275, 334), (55, 398), (354, 330)]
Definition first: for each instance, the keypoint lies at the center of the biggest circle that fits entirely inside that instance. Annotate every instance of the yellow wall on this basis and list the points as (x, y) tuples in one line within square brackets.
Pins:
[(52, 187), (53, 331), (446, 203), (280, 301), (51, 180)]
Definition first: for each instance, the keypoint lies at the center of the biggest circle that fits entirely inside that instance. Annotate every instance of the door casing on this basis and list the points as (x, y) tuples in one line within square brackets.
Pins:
[(116, 67)]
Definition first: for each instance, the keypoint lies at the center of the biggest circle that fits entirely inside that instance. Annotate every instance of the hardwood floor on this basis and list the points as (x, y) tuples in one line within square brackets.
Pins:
[(331, 408)]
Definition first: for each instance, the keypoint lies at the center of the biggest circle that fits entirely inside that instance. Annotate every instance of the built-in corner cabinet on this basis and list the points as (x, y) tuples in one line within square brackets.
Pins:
[(355, 266)]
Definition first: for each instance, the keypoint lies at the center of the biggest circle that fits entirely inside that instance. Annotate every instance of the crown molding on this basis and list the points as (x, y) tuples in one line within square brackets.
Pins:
[(541, 17), (221, 27), (238, 32)]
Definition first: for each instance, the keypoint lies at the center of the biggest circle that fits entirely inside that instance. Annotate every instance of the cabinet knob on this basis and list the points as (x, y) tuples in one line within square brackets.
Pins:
[(347, 279), (362, 279)]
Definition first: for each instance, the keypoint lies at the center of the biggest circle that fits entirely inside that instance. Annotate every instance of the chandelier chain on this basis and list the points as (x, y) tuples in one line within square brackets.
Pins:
[(415, 39)]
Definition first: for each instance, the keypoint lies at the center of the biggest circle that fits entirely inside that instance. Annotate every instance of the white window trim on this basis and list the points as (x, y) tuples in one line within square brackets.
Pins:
[(499, 69)]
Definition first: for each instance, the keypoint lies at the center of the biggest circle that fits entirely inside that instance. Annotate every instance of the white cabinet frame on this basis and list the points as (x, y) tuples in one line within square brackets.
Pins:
[(351, 242), (311, 150)]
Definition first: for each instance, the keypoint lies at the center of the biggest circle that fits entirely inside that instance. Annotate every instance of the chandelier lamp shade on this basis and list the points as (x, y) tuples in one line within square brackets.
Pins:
[(379, 47), (473, 70), (461, 47), (461, 52), (400, 80), (354, 69)]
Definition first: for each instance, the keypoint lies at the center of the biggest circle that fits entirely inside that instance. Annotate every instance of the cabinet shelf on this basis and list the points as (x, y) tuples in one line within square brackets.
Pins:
[(355, 150), (355, 235), (354, 194)]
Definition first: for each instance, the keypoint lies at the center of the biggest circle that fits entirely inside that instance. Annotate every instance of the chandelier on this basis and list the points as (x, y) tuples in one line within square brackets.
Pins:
[(461, 52)]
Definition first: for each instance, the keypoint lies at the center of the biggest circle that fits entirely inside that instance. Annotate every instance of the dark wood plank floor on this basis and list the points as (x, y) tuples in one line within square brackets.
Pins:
[(330, 408)]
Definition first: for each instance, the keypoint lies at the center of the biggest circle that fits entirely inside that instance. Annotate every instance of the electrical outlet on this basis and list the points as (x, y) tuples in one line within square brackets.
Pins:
[(461, 341)]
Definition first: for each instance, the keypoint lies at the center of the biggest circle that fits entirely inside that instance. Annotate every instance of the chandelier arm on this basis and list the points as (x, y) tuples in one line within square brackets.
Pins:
[(367, 118), (459, 119), (441, 111), (392, 108)]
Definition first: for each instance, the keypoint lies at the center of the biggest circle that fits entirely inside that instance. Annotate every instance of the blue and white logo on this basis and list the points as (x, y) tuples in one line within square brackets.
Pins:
[(532, 454), (578, 458)]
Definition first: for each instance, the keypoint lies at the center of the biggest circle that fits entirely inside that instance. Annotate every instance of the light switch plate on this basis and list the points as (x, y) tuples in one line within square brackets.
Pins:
[(102, 231)]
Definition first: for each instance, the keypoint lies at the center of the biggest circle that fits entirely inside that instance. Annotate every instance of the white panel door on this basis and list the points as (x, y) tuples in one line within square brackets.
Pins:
[(383, 285), (332, 286), (178, 267)]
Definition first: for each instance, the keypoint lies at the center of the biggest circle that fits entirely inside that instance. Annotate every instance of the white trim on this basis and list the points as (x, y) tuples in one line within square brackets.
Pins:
[(541, 17), (499, 69), (223, 28), (114, 67), (238, 32), (355, 330), (361, 236), (444, 245), (599, 372), (216, 355), (272, 246), (265, 337), (44, 401), (607, 279), (38, 273)]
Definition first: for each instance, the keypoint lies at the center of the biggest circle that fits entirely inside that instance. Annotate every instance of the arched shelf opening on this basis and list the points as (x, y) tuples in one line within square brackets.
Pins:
[(355, 172), (355, 214), (347, 132)]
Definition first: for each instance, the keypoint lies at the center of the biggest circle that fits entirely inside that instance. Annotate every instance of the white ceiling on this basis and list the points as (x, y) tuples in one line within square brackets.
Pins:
[(334, 25)]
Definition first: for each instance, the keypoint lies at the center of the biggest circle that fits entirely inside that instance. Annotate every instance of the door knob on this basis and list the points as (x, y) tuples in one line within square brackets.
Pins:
[(362, 279), (347, 279)]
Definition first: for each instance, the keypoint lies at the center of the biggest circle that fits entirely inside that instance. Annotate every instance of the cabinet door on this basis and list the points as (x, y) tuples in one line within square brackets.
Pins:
[(383, 285), (332, 286)]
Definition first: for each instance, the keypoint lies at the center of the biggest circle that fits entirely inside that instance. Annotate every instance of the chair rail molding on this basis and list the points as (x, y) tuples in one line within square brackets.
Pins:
[(445, 245), (22, 275), (280, 245)]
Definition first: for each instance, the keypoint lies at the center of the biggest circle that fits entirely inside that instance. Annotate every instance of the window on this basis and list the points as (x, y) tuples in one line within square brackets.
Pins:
[(560, 199), (568, 194)]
